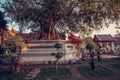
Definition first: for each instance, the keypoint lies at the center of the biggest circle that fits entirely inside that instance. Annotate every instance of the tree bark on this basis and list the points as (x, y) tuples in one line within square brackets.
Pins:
[(99, 59), (48, 31), (2, 37), (92, 60)]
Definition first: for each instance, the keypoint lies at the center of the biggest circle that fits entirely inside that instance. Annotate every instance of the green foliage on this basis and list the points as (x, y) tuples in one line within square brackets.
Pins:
[(53, 54), (82, 16), (58, 45), (90, 46), (59, 55), (50, 62), (88, 39), (15, 41), (3, 26), (7, 58), (3, 22)]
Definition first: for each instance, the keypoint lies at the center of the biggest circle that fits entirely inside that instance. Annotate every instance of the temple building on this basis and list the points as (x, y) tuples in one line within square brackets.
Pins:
[(117, 44), (106, 41)]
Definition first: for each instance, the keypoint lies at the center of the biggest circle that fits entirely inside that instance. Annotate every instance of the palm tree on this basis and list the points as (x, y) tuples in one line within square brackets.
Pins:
[(2, 26), (90, 47), (58, 55)]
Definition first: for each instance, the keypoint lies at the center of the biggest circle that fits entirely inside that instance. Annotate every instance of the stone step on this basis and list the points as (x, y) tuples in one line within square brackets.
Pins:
[(37, 47), (36, 54), (45, 41), (42, 51), (28, 58), (41, 44)]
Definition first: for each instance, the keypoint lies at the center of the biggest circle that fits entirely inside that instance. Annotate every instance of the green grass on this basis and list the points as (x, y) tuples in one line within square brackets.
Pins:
[(99, 71), (7, 75), (52, 73), (117, 59), (105, 61), (114, 66)]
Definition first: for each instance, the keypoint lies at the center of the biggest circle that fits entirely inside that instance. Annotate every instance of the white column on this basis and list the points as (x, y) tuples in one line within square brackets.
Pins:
[(113, 46)]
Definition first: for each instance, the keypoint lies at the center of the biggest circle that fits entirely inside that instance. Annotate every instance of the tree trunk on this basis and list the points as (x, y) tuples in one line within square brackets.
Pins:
[(56, 65), (2, 37), (92, 60), (12, 68), (13, 65), (92, 64), (17, 66), (99, 59), (48, 31)]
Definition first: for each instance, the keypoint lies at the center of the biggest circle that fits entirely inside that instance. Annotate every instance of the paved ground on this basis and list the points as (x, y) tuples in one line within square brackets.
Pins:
[(32, 74)]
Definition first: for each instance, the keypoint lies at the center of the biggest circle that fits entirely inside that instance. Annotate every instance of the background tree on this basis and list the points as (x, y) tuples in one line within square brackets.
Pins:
[(90, 46), (88, 39), (58, 55), (98, 50), (48, 17), (3, 26)]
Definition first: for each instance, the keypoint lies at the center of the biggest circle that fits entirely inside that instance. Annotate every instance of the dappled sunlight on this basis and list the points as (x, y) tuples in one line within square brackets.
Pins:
[(25, 49), (69, 56), (109, 56)]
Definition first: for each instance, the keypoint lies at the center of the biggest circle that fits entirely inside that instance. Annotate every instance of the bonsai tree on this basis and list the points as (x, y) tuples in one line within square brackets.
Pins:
[(11, 60), (3, 26), (58, 55), (50, 62), (90, 46), (58, 46)]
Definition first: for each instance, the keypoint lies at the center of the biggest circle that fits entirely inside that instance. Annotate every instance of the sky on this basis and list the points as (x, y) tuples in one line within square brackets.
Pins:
[(110, 30)]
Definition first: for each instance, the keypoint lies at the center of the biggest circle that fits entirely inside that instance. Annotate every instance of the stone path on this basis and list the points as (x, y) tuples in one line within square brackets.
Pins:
[(109, 56), (76, 73), (32, 74)]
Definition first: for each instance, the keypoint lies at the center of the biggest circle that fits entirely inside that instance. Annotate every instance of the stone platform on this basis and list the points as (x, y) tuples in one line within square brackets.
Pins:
[(41, 50)]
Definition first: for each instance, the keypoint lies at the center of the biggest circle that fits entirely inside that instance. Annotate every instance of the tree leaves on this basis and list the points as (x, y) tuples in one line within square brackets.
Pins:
[(92, 14)]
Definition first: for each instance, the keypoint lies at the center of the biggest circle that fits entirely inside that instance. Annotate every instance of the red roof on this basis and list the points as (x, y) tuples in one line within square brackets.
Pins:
[(74, 39), (28, 37), (117, 40), (103, 38)]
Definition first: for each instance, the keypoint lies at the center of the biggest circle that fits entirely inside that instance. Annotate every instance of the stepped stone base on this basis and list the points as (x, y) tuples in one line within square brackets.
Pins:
[(41, 50)]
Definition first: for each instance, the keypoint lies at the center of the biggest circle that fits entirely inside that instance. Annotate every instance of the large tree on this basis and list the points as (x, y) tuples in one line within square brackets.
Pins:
[(3, 26), (50, 17)]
